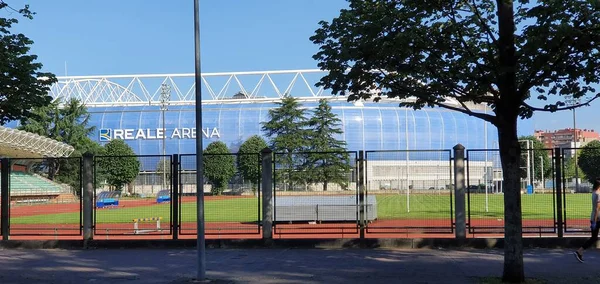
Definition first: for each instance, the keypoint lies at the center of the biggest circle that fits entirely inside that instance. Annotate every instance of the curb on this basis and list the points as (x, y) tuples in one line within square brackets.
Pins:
[(479, 243)]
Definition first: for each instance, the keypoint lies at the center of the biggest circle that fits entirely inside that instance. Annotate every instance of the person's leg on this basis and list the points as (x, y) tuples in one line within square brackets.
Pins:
[(587, 244), (590, 241)]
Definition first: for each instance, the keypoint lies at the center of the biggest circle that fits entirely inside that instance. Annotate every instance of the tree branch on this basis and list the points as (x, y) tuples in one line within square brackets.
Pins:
[(532, 108), (466, 46), (487, 117), (482, 22), (427, 97), (530, 80), (8, 6)]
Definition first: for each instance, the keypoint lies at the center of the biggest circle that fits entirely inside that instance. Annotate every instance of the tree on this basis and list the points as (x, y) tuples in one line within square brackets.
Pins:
[(538, 157), (219, 166), (569, 171), (22, 86), (163, 168), (286, 129), (68, 124), (328, 160), (118, 165), (589, 160), (500, 53), (248, 159)]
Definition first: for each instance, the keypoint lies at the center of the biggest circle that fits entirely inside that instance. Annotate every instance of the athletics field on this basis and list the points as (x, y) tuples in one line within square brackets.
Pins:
[(238, 216)]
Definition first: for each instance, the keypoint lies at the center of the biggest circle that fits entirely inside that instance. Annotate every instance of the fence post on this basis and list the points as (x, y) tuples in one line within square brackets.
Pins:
[(175, 194), (4, 191), (87, 193), (559, 187), (459, 191), (267, 193), (361, 193)]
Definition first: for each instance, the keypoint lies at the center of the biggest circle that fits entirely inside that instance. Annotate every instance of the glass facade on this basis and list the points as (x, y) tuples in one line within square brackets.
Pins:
[(371, 127), (368, 127)]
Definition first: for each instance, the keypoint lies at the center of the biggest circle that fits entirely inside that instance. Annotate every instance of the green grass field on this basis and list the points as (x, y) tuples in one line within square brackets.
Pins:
[(430, 206)]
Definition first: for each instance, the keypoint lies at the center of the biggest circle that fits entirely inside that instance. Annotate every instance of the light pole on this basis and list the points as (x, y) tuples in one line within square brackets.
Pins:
[(529, 147), (572, 101), (165, 98), (542, 170), (200, 243)]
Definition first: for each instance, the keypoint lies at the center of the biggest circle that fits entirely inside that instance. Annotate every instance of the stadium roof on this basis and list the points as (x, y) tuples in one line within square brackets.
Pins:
[(21, 144), (179, 89)]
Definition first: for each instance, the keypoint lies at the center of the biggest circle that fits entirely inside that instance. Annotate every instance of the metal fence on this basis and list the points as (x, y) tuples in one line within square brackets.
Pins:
[(404, 194), (485, 198), (412, 190), (232, 194), (315, 193), (118, 209), (45, 197), (576, 193)]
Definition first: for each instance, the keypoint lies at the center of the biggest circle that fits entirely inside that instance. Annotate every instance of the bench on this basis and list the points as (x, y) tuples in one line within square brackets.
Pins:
[(136, 221)]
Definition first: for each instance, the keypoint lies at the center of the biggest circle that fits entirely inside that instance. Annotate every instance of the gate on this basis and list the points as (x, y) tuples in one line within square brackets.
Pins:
[(316, 193), (576, 193), (485, 198), (130, 196), (412, 190), (232, 194), (45, 196)]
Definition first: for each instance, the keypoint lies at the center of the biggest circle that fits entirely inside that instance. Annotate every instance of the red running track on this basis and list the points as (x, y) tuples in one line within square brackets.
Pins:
[(401, 228)]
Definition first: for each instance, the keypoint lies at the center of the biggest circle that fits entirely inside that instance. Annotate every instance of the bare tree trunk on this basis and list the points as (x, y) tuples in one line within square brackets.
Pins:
[(510, 152), (53, 169), (507, 112)]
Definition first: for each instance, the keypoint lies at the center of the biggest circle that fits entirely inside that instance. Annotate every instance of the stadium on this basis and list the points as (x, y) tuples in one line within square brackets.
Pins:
[(134, 108), (28, 152), (408, 160)]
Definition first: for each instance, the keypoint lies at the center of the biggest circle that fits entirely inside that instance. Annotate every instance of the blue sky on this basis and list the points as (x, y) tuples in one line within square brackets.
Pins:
[(151, 36)]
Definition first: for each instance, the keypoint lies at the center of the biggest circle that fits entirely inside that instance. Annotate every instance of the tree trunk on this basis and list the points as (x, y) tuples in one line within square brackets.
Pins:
[(510, 152), (53, 169), (507, 111)]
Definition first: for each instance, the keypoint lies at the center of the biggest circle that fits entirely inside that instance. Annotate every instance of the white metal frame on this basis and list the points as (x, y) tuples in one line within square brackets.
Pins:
[(218, 88), (21, 144)]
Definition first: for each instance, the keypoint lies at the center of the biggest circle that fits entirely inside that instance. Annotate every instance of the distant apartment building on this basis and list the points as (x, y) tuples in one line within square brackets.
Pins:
[(563, 138)]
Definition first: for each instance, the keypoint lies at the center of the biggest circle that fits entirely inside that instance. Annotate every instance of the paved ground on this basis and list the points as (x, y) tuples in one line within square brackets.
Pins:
[(286, 266)]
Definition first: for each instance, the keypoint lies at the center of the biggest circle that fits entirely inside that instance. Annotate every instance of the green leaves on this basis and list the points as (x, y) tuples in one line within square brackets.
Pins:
[(248, 159), (431, 51), (119, 165), (22, 85), (306, 150), (538, 156), (328, 160), (589, 160), (219, 166)]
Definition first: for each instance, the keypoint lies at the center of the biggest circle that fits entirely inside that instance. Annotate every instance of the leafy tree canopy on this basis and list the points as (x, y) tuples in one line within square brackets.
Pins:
[(286, 126), (538, 157), (248, 159), (22, 85), (68, 123), (327, 160), (589, 160), (286, 129), (431, 51), (219, 166), (503, 53), (118, 165)]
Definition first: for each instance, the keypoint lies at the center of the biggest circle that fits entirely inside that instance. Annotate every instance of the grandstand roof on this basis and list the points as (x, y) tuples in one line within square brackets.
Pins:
[(22, 144)]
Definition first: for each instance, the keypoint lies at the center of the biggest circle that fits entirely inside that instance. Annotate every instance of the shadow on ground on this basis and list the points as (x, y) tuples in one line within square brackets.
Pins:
[(286, 266)]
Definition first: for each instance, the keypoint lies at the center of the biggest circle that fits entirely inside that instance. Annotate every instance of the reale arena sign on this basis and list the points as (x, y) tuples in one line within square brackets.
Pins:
[(107, 134)]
